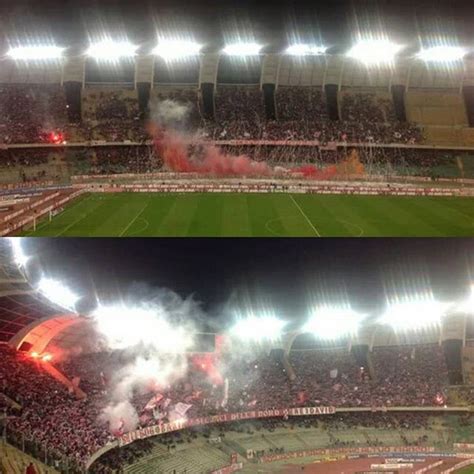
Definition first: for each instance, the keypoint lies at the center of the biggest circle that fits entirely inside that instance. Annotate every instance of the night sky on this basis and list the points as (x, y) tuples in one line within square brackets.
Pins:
[(286, 275), (213, 22)]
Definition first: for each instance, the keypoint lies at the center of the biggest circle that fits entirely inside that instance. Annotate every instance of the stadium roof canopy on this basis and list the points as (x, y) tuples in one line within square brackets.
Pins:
[(31, 322), (21, 307)]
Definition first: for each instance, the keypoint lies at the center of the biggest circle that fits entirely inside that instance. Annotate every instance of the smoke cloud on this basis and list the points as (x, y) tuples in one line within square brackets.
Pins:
[(120, 416), (152, 337), (170, 114), (185, 152)]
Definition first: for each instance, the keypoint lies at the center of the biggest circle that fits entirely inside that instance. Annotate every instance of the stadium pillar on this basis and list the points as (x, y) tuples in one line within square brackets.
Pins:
[(269, 101), (331, 91), (398, 97), (73, 91), (452, 353), (360, 354), (468, 93), (207, 94), (143, 90)]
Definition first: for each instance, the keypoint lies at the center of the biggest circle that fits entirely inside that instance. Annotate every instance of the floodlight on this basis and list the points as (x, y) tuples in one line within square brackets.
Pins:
[(34, 354), (332, 323), (442, 54), (258, 329), (18, 256), (414, 314), (373, 52), (467, 306), (57, 293), (128, 326), (39, 53), (47, 358), (108, 50), (242, 49), (305, 50), (169, 50)]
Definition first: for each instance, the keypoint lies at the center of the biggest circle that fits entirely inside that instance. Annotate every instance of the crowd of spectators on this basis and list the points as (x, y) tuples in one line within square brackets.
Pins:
[(301, 114), (66, 426), (30, 113), (366, 107), (28, 165), (120, 159), (239, 112), (25, 157), (50, 416), (301, 104), (110, 115), (409, 375)]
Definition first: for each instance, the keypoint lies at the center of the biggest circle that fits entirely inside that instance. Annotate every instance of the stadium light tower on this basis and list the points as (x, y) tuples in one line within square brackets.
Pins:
[(305, 50), (35, 53), (242, 49), (169, 50), (331, 323), (258, 328), (373, 52), (108, 50), (57, 293), (419, 313), (442, 54), (18, 255)]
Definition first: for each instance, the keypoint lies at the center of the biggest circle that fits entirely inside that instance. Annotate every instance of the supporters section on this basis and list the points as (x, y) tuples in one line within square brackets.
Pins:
[(378, 394)]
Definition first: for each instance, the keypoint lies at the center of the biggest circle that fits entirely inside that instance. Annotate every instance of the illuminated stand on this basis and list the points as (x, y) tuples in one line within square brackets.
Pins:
[(370, 63)]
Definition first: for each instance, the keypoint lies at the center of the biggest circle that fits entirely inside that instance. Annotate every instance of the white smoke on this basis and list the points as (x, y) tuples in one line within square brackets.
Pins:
[(145, 374), (169, 113), (155, 335), (121, 415)]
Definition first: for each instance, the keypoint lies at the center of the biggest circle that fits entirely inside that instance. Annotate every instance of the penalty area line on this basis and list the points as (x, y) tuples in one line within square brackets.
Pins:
[(304, 215)]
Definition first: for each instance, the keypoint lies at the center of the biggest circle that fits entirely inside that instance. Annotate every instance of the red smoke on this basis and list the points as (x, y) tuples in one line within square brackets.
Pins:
[(312, 172), (173, 148), (207, 363)]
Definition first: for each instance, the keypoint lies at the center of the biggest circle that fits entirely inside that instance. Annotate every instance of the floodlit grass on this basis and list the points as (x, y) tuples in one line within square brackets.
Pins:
[(466, 470), (260, 215)]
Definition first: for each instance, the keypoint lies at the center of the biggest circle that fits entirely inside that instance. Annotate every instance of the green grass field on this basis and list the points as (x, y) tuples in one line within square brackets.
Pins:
[(260, 215)]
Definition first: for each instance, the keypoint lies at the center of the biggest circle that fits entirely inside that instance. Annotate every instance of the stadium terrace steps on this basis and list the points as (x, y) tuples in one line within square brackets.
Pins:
[(13, 461), (192, 460), (302, 441)]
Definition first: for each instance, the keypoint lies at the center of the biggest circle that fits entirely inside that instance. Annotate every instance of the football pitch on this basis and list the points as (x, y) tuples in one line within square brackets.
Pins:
[(259, 215)]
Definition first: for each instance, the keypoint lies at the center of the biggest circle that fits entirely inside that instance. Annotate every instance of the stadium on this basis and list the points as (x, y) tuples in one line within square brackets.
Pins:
[(178, 138), (108, 386)]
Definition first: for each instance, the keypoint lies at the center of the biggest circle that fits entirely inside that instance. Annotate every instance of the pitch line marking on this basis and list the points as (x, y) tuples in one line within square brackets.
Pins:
[(304, 215), (138, 232), (135, 218), (361, 230), (82, 216), (46, 223)]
